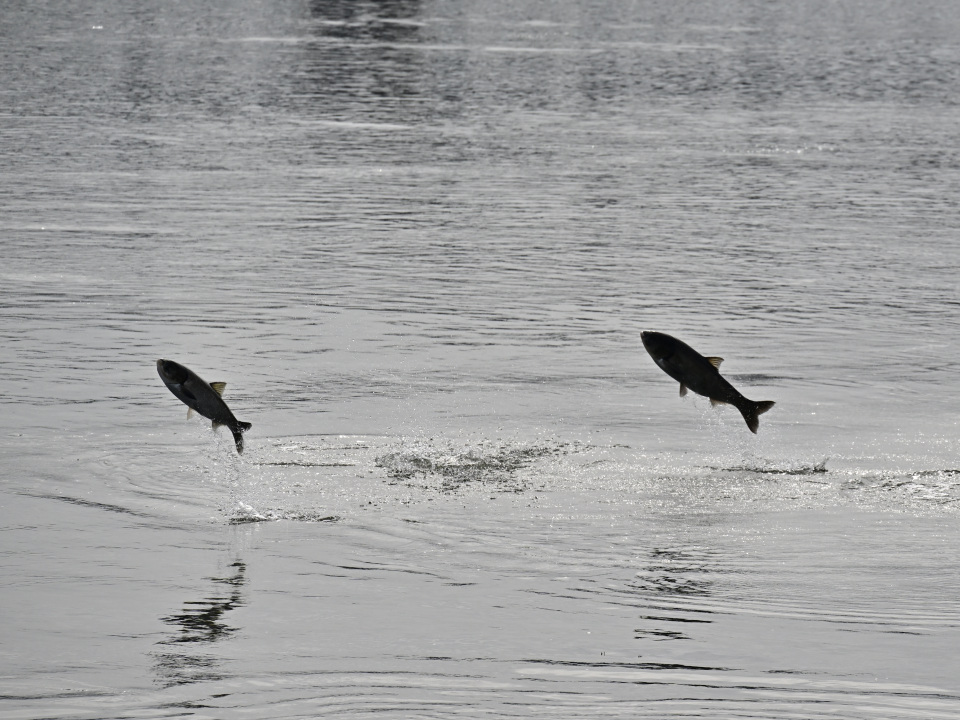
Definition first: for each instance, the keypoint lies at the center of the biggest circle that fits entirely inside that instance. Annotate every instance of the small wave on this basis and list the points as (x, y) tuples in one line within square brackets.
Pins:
[(771, 468), (921, 487), (244, 514), (81, 502)]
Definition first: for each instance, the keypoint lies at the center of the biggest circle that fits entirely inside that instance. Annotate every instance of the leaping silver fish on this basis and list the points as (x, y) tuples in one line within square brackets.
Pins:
[(700, 374), (201, 396)]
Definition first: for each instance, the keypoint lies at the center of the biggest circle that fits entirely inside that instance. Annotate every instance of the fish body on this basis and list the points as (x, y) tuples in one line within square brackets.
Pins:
[(202, 397), (700, 374)]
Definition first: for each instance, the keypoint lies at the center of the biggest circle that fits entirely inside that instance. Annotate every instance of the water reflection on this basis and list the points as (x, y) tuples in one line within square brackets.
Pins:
[(367, 67), (390, 21), (675, 572), (668, 580), (200, 622)]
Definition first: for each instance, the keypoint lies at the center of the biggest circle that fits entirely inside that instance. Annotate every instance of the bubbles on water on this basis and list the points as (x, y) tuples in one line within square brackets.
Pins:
[(244, 513), (325, 478), (779, 467), (447, 466)]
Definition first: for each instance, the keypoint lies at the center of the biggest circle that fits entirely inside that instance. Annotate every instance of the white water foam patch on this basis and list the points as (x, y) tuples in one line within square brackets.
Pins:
[(495, 465), (324, 478)]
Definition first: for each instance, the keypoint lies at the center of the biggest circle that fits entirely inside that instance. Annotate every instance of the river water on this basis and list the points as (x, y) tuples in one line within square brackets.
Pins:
[(419, 241)]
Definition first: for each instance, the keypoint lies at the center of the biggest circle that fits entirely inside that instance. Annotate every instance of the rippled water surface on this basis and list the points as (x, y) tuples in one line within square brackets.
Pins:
[(419, 241)]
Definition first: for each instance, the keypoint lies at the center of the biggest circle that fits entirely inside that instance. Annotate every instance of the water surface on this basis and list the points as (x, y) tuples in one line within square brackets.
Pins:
[(419, 241)]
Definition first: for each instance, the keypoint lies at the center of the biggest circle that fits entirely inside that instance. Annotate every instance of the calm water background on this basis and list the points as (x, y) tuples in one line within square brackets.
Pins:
[(419, 241)]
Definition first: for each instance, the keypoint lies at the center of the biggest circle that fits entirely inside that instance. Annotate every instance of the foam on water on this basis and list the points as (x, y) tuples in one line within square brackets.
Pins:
[(318, 478)]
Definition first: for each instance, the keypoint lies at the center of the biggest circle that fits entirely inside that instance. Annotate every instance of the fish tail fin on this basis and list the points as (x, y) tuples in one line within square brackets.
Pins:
[(752, 411), (238, 431)]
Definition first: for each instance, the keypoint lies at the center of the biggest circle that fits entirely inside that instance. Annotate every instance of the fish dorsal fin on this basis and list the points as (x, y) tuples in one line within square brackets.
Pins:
[(683, 390), (218, 387), (715, 361)]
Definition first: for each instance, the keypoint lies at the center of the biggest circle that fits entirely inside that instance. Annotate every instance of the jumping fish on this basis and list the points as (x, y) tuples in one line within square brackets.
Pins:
[(700, 374), (201, 396)]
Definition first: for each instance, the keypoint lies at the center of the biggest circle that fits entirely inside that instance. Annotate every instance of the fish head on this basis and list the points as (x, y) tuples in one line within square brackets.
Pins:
[(172, 372), (659, 345)]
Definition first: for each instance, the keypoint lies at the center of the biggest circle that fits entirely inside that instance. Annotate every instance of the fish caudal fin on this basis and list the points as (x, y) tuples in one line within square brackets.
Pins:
[(753, 410), (238, 432)]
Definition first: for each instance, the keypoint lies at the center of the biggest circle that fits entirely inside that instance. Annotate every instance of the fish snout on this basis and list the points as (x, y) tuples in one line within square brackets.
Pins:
[(171, 371), (656, 343)]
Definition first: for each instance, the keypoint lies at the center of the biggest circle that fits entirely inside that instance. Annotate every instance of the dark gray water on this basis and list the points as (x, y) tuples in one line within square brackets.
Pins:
[(419, 241)]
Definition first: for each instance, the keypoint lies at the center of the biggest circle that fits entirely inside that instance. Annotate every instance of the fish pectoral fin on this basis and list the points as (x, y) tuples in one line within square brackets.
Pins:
[(218, 387), (715, 361), (189, 413), (715, 402), (683, 390)]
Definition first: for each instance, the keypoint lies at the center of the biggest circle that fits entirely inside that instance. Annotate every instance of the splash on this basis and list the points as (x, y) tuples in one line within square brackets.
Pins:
[(769, 467), (244, 513), (504, 466)]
